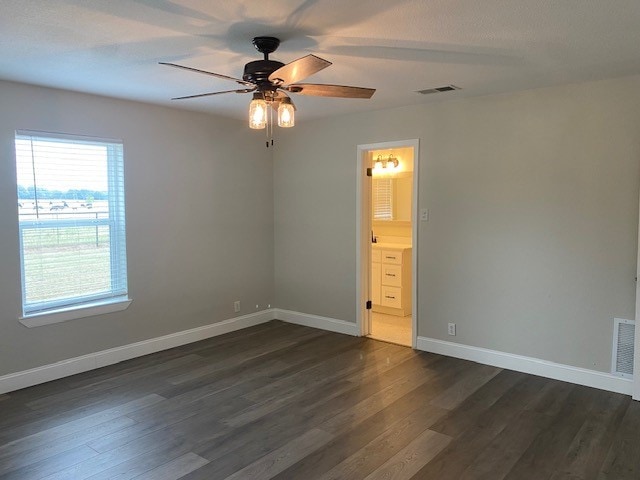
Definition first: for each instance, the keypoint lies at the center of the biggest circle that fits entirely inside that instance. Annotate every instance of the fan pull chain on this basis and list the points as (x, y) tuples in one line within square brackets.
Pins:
[(269, 129), (271, 123)]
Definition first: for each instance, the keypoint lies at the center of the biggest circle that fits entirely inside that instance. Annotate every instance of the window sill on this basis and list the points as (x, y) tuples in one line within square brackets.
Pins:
[(73, 313)]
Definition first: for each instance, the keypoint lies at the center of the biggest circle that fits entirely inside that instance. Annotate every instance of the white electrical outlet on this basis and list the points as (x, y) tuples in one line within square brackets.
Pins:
[(236, 306), (424, 214), (451, 329)]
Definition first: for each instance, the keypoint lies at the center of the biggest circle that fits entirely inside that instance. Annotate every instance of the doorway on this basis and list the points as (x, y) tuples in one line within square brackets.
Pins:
[(387, 241)]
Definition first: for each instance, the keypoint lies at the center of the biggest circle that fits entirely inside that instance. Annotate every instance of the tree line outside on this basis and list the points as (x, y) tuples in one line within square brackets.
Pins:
[(29, 193)]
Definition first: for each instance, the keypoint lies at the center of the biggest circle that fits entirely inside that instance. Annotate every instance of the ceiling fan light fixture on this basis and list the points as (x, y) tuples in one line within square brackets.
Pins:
[(258, 112), (270, 79), (286, 113)]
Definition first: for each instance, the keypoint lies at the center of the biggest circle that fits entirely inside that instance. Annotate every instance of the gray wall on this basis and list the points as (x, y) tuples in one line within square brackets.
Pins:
[(532, 238), (530, 247), (199, 221)]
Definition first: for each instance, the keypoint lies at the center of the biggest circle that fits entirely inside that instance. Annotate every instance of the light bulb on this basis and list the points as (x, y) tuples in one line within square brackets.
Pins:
[(286, 114), (257, 113)]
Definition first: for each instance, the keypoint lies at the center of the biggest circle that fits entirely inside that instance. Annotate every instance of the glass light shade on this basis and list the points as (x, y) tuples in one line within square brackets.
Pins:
[(286, 115), (257, 113)]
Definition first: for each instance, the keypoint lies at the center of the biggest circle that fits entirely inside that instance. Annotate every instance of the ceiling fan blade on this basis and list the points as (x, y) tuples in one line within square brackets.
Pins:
[(298, 69), (244, 90), (323, 90), (218, 75)]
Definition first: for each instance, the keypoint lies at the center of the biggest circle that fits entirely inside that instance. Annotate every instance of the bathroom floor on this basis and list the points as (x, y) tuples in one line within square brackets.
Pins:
[(390, 328)]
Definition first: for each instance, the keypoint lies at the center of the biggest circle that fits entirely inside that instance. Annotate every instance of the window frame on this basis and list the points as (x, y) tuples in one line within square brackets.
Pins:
[(54, 311)]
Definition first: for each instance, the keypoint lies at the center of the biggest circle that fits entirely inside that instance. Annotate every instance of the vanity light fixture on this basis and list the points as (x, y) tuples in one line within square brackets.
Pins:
[(389, 163)]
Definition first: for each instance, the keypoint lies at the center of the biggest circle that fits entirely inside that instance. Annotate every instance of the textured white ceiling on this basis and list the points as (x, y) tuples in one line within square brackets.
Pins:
[(112, 47)]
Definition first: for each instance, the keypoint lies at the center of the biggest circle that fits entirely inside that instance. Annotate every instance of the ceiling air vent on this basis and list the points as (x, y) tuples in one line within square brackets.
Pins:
[(446, 88)]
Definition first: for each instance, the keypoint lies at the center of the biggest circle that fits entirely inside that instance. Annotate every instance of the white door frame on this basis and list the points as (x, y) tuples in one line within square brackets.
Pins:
[(363, 235), (636, 347)]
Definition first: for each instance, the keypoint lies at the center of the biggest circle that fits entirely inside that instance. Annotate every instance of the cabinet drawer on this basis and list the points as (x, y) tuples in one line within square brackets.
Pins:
[(392, 275), (375, 256), (390, 256), (391, 297)]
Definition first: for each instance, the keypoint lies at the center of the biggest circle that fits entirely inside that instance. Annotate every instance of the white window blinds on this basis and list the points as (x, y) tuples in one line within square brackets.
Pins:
[(71, 220), (382, 199)]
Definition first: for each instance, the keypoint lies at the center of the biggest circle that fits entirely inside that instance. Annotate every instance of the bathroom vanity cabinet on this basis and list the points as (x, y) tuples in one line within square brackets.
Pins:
[(391, 279)]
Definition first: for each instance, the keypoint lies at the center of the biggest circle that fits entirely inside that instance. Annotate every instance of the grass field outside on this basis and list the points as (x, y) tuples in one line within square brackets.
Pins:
[(66, 262)]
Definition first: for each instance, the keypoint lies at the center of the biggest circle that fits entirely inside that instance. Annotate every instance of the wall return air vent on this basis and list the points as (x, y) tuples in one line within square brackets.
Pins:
[(623, 345), (446, 88)]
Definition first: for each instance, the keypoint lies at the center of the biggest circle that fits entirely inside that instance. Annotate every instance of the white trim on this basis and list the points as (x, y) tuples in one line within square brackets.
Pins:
[(363, 243), (316, 321), (363, 232), (71, 366), (636, 346), (100, 307), (415, 226), (533, 366)]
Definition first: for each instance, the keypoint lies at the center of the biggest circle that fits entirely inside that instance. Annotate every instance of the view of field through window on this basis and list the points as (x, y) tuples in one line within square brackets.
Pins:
[(65, 226)]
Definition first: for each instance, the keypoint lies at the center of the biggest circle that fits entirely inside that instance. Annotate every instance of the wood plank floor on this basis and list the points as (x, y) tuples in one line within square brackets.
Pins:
[(289, 402)]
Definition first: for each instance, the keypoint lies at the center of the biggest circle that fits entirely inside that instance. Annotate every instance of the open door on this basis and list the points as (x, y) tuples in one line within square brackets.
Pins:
[(387, 289)]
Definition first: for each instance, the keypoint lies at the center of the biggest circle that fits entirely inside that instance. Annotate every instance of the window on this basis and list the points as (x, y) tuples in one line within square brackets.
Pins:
[(382, 199), (71, 222)]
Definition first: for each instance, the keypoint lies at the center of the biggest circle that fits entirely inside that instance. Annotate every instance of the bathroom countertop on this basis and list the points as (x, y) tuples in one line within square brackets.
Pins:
[(380, 245)]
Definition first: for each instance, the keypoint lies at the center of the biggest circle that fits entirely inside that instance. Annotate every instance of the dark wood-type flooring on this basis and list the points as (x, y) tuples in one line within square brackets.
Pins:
[(289, 402)]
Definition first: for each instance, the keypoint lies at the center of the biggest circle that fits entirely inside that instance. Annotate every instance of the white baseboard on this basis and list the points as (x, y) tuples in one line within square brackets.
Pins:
[(71, 366), (316, 321), (534, 366)]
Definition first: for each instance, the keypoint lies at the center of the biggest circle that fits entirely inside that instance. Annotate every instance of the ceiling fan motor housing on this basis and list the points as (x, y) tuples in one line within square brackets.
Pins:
[(258, 72)]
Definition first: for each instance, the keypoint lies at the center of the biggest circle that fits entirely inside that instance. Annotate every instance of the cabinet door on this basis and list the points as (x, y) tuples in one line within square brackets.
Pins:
[(376, 282)]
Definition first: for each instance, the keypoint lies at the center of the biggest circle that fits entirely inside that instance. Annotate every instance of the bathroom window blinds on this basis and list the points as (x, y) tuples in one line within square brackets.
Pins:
[(382, 199), (71, 221)]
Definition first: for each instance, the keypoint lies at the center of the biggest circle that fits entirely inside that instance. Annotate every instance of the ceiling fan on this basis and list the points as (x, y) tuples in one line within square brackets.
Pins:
[(270, 81)]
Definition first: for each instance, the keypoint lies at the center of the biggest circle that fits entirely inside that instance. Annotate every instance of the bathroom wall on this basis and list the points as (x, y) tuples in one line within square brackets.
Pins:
[(402, 195)]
